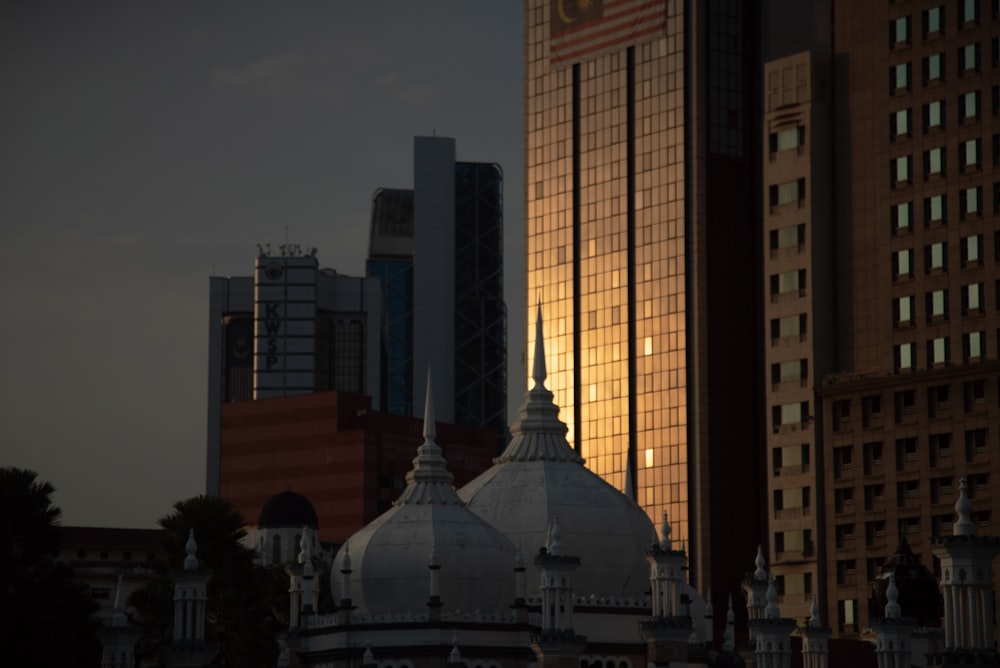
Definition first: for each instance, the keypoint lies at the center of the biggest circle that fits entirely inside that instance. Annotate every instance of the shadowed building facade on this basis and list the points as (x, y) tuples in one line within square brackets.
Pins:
[(642, 219)]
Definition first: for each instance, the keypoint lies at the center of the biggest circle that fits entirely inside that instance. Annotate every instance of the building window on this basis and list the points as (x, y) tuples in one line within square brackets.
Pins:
[(788, 237), (902, 311), (903, 356), (902, 216), (974, 345), (788, 282), (899, 32), (938, 350), (905, 401), (937, 399), (847, 611), (787, 372), (906, 452), (940, 447), (974, 394), (975, 443), (972, 298), (933, 21), (787, 193), (841, 421), (971, 199), (968, 58), (788, 139), (934, 209), (933, 115), (969, 106), (793, 325), (902, 263), (937, 305), (934, 162), (968, 11), (970, 154), (899, 124), (901, 170), (933, 68), (792, 459), (972, 250), (790, 414), (873, 459), (936, 257), (899, 78), (874, 495)]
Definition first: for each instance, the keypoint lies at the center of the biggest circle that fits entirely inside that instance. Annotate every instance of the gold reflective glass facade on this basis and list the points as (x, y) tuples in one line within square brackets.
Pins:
[(605, 181)]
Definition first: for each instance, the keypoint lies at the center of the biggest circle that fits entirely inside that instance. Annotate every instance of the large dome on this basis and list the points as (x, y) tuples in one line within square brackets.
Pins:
[(390, 557), (288, 509), (540, 477)]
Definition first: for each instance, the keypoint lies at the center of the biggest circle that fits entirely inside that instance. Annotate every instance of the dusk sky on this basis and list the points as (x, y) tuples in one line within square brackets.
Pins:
[(149, 145)]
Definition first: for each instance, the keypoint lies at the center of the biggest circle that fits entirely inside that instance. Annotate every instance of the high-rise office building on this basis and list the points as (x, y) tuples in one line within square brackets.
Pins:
[(438, 250), (882, 261), (643, 220), (290, 329)]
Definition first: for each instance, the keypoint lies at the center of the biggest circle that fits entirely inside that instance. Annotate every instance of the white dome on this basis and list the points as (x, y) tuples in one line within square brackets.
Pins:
[(390, 557), (539, 477)]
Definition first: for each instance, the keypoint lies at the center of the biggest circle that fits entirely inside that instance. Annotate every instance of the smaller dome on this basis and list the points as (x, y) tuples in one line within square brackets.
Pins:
[(288, 509)]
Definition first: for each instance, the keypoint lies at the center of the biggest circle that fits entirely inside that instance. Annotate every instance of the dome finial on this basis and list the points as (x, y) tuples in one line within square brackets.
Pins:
[(760, 562), (892, 609), (665, 531), (771, 611), (814, 620), (191, 561), (964, 526), (538, 372)]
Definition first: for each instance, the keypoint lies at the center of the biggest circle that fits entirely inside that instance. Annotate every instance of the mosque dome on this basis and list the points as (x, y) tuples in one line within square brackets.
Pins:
[(390, 559), (288, 509), (539, 477)]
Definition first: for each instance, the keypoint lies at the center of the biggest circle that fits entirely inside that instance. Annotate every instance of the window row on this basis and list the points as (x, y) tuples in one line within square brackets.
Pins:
[(932, 22), (939, 352), (936, 209), (936, 257), (935, 164), (934, 115), (937, 305)]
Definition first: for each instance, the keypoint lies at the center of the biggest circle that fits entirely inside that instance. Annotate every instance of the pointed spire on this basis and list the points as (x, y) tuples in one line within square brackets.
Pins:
[(729, 635), (964, 526), (455, 656), (538, 371), (814, 620), (772, 611), (761, 563), (119, 618), (429, 481), (345, 561), (368, 658), (665, 531), (191, 561), (892, 609), (554, 543)]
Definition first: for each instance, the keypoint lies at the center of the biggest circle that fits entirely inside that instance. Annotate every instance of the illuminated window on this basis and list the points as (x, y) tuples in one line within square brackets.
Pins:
[(902, 311), (934, 162), (974, 345), (902, 216), (899, 77), (936, 256), (934, 209), (902, 263), (939, 350), (972, 250), (933, 115), (972, 298), (970, 154), (903, 354), (937, 305), (933, 21), (899, 31), (968, 103), (934, 68), (968, 58)]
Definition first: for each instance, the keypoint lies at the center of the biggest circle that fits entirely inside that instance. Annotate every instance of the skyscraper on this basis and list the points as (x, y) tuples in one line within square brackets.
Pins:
[(643, 218), (438, 250), (882, 309)]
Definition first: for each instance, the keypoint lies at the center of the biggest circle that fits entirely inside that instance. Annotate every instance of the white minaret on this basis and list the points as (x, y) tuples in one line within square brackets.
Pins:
[(755, 589), (557, 646), (893, 633), (669, 629), (772, 634), (966, 580), (815, 641), (189, 649), (118, 640)]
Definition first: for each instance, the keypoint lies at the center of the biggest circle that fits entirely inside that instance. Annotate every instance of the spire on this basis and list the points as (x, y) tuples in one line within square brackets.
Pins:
[(964, 526), (554, 543), (771, 611), (119, 618), (429, 480), (305, 554), (814, 620), (540, 435), (729, 635), (760, 562), (665, 532), (892, 609), (191, 561), (368, 658), (538, 371), (455, 656)]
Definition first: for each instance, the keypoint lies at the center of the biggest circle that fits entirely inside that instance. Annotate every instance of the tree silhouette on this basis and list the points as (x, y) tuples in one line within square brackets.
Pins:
[(45, 614), (247, 603)]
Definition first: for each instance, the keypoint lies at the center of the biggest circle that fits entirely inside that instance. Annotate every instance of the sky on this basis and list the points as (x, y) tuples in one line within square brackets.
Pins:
[(145, 146)]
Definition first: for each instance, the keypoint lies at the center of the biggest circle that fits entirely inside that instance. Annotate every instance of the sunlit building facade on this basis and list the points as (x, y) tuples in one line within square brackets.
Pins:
[(642, 219)]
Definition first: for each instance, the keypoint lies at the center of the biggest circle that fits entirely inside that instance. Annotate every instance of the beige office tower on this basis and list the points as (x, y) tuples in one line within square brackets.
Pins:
[(643, 220), (882, 249)]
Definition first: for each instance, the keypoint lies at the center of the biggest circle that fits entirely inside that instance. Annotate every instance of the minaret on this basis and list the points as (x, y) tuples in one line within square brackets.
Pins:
[(669, 628), (966, 582), (345, 606), (118, 640), (815, 641), (434, 595), (189, 648), (557, 645), (755, 589), (893, 633), (772, 634)]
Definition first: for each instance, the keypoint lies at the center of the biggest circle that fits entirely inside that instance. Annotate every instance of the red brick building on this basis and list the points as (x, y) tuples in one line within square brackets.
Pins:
[(348, 460)]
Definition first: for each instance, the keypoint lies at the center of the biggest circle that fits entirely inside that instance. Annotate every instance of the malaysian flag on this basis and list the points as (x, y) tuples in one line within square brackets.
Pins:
[(584, 28)]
